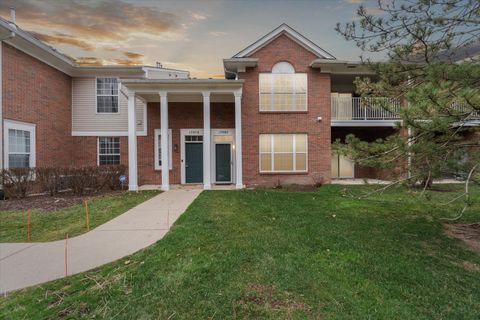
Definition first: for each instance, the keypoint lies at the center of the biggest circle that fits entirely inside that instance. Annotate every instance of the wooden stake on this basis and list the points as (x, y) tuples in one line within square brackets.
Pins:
[(86, 216), (28, 225), (66, 255)]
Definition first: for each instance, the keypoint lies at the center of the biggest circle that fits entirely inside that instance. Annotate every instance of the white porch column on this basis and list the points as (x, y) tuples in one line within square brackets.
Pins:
[(238, 140), (164, 140), (132, 143), (207, 184)]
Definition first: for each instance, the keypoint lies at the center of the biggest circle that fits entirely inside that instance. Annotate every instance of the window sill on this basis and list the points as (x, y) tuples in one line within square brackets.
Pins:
[(284, 173), (283, 112)]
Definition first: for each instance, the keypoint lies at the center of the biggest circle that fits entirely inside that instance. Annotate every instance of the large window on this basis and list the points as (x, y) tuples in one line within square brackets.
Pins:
[(158, 149), (20, 144), (283, 89), (283, 153), (108, 150), (107, 95)]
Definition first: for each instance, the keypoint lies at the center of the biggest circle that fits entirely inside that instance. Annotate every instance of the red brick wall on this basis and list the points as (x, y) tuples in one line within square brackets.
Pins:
[(181, 116), (36, 93), (85, 151), (255, 123)]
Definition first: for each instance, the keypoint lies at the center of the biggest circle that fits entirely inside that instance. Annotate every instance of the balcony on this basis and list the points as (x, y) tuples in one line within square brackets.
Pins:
[(350, 111), (353, 111)]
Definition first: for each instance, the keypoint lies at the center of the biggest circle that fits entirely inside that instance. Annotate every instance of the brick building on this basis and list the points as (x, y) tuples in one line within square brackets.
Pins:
[(271, 120)]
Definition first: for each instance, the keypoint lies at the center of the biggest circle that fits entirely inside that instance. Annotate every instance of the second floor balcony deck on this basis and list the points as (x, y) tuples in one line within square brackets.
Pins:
[(350, 111)]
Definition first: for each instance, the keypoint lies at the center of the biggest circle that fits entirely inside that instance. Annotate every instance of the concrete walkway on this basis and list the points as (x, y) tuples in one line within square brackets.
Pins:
[(27, 264)]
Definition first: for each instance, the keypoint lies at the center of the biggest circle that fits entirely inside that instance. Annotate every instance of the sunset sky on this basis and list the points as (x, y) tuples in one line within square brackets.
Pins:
[(182, 34)]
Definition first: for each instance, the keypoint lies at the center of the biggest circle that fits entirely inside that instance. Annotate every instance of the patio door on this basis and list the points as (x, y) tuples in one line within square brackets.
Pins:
[(342, 167)]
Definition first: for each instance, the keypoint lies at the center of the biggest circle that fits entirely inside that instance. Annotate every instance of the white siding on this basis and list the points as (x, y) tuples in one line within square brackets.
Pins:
[(85, 118), (156, 73)]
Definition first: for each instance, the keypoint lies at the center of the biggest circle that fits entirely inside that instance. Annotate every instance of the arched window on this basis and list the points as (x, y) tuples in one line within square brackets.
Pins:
[(283, 89), (283, 67)]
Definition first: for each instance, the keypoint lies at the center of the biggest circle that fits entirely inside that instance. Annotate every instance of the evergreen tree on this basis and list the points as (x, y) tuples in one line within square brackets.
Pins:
[(432, 50)]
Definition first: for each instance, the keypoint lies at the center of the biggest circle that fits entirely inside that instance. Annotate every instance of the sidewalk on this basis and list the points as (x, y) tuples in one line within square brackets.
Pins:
[(27, 264)]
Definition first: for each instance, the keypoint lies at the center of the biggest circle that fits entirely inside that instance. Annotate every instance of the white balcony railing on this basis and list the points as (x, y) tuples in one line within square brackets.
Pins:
[(375, 108)]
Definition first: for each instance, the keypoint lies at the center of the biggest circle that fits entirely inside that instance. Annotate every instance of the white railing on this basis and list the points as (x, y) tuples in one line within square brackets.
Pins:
[(467, 111), (355, 108)]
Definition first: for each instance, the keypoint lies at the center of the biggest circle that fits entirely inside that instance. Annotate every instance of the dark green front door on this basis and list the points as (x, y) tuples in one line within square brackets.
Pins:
[(223, 172), (194, 162)]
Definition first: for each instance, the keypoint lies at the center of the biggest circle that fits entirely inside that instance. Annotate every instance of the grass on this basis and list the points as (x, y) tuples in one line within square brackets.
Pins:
[(280, 255), (48, 226)]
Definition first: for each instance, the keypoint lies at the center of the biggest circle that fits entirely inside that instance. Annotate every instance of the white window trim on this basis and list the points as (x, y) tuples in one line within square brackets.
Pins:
[(157, 133), (272, 94), (272, 153), (105, 95), (98, 148), (18, 125)]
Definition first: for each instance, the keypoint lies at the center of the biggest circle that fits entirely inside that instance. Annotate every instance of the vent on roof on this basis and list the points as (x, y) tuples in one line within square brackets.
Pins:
[(13, 16), (159, 64)]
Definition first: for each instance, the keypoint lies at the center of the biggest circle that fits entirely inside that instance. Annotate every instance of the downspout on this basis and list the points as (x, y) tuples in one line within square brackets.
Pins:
[(409, 141), (1, 112), (13, 27), (409, 159), (231, 72)]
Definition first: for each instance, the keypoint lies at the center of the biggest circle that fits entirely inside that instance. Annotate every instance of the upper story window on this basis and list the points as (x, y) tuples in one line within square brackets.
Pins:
[(107, 95), (283, 89)]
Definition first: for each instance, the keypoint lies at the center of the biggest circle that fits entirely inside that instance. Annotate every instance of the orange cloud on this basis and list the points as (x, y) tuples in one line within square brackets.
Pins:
[(131, 59), (106, 20), (128, 62), (60, 38), (89, 61), (133, 55)]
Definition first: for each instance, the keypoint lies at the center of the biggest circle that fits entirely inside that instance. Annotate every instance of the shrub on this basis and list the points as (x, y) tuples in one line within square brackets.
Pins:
[(50, 179), (81, 179), (17, 182), (109, 176), (95, 178)]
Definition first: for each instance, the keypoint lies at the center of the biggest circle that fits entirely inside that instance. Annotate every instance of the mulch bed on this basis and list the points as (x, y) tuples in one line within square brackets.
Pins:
[(468, 233), (49, 203)]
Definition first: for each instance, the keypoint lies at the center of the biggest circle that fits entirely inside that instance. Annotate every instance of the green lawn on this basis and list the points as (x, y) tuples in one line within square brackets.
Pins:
[(48, 226), (281, 255)]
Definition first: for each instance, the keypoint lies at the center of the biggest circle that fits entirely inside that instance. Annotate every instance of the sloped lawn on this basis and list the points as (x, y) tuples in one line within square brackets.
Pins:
[(55, 225), (281, 255)]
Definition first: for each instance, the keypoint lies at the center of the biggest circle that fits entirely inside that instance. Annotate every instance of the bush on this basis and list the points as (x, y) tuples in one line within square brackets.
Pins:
[(50, 179), (17, 182), (95, 178), (109, 176), (83, 178)]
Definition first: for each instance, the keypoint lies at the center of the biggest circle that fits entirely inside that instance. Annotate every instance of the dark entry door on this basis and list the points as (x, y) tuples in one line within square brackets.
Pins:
[(193, 162), (223, 159)]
